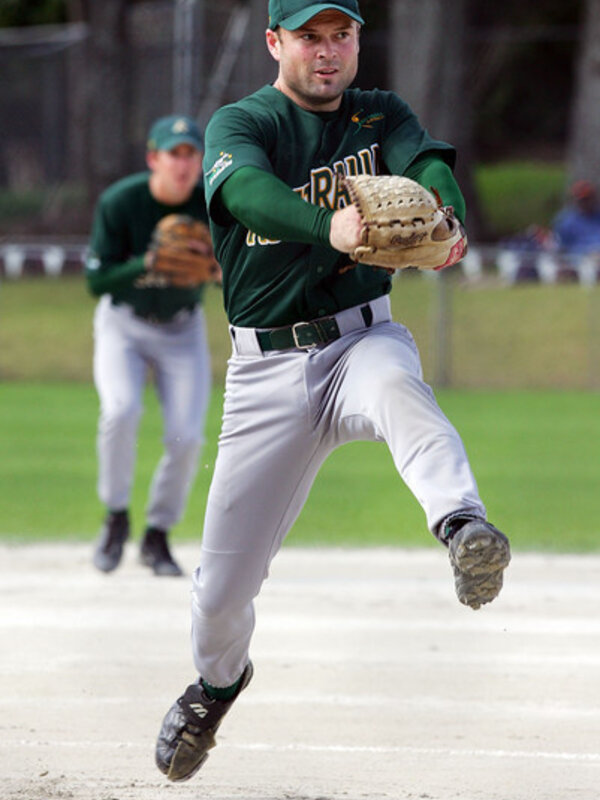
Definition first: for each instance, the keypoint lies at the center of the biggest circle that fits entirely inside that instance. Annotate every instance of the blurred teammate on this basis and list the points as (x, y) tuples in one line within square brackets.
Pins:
[(141, 327), (317, 361)]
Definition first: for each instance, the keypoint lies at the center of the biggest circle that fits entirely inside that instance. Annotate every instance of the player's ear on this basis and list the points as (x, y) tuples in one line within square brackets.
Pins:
[(151, 159), (273, 43)]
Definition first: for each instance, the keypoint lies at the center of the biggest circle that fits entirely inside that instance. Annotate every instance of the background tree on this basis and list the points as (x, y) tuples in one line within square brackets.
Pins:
[(584, 139), (107, 78), (429, 67), (522, 75), (497, 80)]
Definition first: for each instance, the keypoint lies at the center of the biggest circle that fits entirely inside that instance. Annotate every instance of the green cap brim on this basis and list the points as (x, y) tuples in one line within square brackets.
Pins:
[(298, 20)]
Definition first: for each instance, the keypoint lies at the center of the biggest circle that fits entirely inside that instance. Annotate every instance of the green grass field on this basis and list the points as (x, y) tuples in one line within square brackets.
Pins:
[(524, 337), (535, 455), (534, 449)]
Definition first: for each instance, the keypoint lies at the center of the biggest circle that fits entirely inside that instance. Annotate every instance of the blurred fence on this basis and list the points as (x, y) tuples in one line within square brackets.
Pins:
[(42, 258), (64, 137), (66, 255)]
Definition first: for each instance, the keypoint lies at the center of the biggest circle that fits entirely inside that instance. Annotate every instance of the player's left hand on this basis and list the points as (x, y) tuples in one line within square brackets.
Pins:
[(404, 225)]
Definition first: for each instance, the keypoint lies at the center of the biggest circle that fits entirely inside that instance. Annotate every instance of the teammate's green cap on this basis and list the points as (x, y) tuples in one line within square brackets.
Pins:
[(167, 132), (292, 14)]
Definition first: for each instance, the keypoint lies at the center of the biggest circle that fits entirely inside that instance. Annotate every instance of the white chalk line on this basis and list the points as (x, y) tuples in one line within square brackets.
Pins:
[(420, 751), (496, 661), (501, 708), (534, 626), (265, 747)]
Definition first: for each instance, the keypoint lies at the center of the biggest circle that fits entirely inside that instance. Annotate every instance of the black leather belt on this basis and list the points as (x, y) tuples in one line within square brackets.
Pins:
[(152, 317), (155, 319), (304, 335)]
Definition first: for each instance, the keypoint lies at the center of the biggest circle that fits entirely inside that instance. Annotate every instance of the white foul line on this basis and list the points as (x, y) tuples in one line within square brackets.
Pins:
[(418, 751), (592, 758)]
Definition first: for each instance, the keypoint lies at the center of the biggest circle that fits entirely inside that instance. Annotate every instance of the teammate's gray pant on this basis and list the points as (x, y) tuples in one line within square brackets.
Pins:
[(284, 413), (177, 352)]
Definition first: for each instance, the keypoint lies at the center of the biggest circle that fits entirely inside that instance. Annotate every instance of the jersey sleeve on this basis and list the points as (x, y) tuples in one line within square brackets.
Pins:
[(232, 140), (405, 139)]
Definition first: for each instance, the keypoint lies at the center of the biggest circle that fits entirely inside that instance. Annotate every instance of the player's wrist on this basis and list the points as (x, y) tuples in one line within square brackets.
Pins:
[(148, 262)]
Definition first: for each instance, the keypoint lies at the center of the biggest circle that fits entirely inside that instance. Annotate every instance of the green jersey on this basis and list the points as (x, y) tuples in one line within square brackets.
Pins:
[(125, 217), (273, 283)]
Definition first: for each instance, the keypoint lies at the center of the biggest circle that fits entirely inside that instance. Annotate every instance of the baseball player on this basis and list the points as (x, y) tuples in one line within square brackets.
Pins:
[(145, 323), (317, 360)]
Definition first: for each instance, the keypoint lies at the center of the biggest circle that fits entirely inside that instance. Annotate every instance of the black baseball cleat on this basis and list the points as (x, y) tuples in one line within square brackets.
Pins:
[(188, 729), (155, 553), (479, 553), (114, 534)]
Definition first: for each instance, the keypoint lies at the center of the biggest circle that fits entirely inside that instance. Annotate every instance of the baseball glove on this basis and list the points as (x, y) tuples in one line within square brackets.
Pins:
[(404, 224), (181, 253)]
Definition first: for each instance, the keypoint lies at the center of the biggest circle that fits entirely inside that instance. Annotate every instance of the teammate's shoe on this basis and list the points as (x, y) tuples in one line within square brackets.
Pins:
[(479, 553), (188, 729), (155, 553), (114, 534)]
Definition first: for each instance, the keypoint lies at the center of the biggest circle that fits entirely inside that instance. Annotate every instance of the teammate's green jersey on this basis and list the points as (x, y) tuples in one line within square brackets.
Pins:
[(125, 216), (271, 283)]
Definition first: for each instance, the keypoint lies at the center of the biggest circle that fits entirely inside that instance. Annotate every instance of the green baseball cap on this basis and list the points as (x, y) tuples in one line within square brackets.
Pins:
[(292, 14), (167, 132)]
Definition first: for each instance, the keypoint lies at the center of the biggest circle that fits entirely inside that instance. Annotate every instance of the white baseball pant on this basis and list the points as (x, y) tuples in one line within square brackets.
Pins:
[(126, 347), (284, 413)]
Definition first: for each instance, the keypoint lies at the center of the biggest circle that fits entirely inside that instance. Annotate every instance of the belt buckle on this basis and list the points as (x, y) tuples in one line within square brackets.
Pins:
[(295, 335)]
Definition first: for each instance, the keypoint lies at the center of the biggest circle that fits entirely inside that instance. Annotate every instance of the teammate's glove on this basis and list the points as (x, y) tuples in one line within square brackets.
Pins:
[(181, 253), (404, 224)]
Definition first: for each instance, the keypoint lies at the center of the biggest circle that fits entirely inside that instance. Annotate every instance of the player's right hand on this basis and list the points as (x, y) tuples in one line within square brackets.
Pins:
[(346, 231)]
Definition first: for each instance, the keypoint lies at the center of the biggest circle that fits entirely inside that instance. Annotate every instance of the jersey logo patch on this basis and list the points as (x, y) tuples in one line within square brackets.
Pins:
[(224, 161), (180, 126), (365, 122)]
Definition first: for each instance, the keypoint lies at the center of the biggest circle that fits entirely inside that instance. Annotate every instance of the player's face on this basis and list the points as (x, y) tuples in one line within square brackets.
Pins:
[(318, 61), (174, 172)]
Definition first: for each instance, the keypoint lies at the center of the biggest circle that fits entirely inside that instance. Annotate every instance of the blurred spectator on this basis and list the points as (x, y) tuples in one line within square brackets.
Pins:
[(577, 226), (518, 260), (535, 238)]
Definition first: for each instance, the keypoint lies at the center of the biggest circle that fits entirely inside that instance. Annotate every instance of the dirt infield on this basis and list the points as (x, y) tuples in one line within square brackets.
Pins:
[(371, 681)]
